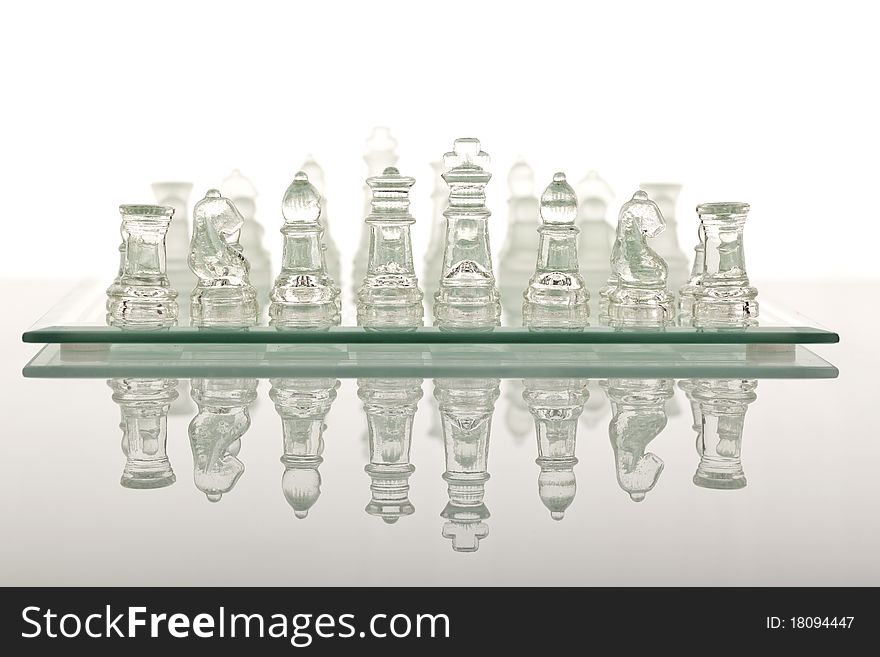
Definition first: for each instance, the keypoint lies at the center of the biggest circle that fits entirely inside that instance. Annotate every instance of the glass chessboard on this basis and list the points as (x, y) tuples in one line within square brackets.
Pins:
[(80, 318)]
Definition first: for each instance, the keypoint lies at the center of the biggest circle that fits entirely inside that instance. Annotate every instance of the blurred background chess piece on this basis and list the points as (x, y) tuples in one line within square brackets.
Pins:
[(144, 405), (638, 416), (519, 251), (597, 234), (215, 432), (241, 191), (303, 405), (176, 195)]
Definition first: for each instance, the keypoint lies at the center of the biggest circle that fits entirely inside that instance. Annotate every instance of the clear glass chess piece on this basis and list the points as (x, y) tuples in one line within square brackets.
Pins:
[(144, 405), (381, 154), (434, 255), (390, 405), (466, 408), (596, 238), (666, 244), (722, 404), (224, 296), (638, 416), (726, 298), (331, 252), (141, 296), (303, 405), (556, 405), (241, 191), (215, 432), (641, 298), (517, 258), (688, 292), (304, 294), (556, 297), (467, 297), (390, 296), (176, 195)]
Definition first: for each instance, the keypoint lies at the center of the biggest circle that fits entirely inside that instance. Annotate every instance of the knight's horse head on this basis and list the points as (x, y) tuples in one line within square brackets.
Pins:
[(643, 213), (220, 213)]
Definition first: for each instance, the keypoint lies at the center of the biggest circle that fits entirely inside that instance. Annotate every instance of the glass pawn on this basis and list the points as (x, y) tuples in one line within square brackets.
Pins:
[(556, 296), (688, 292), (215, 432), (390, 405), (517, 259), (466, 408), (390, 296), (556, 405), (144, 405), (638, 409), (723, 404), (726, 298), (467, 297), (303, 405), (224, 296), (641, 297), (141, 296), (304, 294)]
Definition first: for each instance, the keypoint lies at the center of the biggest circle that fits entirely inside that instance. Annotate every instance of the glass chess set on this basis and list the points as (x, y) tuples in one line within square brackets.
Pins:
[(544, 289), (575, 300)]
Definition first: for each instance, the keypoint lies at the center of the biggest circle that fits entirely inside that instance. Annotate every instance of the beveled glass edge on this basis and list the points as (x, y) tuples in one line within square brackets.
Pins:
[(431, 335)]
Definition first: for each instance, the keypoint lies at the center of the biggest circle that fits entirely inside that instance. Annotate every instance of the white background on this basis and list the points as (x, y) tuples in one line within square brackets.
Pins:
[(771, 103)]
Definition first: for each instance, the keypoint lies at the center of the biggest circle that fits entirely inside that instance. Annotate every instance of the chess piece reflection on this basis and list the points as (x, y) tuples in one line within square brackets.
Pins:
[(141, 297), (666, 244), (641, 297), (434, 255), (639, 415), (243, 195), (303, 405), (224, 296), (726, 298), (381, 154), (596, 238), (722, 406), (390, 405), (467, 297), (331, 252), (176, 195), (215, 432), (688, 292), (390, 296), (304, 294), (556, 297), (144, 405), (556, 405), (517, 261), (466, 407)]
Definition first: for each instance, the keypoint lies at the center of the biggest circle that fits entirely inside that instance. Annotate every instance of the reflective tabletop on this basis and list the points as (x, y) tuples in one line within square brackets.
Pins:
[(759, 471)]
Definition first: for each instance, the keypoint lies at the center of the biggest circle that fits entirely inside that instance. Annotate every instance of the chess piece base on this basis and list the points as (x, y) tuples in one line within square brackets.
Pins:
[(391, 316), (640, 308), (142, 306), (152, 475), (734, 479), (726, 307), (556, 317), (224, 306), (473, 308), (304, 315)]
